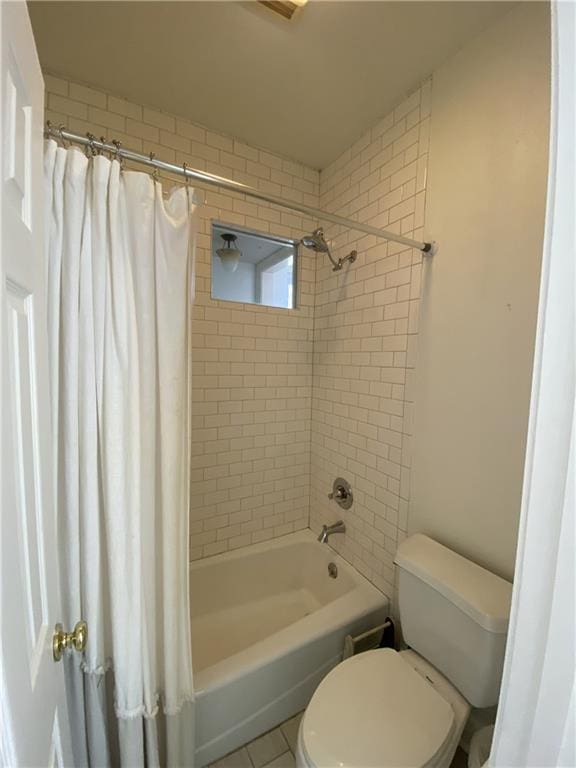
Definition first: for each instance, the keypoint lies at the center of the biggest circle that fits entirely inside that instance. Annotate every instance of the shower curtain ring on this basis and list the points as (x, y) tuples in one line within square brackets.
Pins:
[(186, 185), (91, 148), (61, 134), (155, 171), (117, 156)]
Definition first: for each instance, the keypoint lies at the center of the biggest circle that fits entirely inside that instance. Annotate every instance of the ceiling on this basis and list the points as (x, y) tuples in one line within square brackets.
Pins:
[(305, 88)]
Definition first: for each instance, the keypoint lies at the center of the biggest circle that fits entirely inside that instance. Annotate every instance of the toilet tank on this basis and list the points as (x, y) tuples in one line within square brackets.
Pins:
[(455, 614)]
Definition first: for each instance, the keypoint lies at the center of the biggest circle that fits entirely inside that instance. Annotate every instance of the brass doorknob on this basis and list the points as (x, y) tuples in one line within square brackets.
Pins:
[(62, 640)]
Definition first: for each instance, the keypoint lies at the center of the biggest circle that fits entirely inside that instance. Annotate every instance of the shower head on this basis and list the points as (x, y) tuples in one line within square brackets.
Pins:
[(318, 244), (316, 241)]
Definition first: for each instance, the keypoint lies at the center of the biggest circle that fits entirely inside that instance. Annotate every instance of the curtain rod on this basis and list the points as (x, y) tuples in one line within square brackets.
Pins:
[(115, 149)]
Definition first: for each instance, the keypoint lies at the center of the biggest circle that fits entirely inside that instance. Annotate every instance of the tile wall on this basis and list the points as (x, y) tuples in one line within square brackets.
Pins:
[(321, 391), (252, 366), (365, 333)]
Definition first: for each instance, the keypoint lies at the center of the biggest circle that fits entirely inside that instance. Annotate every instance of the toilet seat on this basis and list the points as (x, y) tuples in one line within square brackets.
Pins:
[(374, 710)]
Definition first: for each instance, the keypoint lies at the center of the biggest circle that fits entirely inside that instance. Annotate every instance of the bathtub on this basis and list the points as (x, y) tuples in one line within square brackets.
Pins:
[(268, 623)]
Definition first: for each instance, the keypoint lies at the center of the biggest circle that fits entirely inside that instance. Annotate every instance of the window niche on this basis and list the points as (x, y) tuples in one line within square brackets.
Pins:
[(253, 268)]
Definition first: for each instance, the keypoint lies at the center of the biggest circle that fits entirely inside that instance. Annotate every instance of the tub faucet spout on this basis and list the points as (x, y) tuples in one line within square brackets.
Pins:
[(328, 530)]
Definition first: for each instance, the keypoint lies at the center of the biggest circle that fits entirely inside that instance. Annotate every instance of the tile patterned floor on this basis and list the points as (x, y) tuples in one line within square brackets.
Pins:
[(275, 749)]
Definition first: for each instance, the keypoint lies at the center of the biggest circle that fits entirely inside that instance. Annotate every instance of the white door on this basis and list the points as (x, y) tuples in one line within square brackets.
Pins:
[(34, 725)]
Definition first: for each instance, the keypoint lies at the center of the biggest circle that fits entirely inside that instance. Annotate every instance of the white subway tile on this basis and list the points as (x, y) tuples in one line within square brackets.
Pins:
[(284, 401), (55, 85), (67, 107), (124, 107), (87, 95), (159, 119)]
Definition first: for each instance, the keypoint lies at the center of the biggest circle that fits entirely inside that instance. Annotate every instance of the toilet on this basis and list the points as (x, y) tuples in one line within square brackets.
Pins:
[(407, 709)]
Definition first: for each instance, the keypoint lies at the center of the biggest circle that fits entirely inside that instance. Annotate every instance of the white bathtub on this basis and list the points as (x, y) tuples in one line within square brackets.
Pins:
[(268, 623)]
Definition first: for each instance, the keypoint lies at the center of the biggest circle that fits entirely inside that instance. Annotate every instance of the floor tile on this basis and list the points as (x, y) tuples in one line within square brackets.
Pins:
[(267, 747), (290, 730), (286, 760), (237, 759)]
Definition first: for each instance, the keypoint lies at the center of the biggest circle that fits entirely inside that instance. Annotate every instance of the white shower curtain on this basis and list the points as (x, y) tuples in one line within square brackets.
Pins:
[(536, 723), (120, 272)]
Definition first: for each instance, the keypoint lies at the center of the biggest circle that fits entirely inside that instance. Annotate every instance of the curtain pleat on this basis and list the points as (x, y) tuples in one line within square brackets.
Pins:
[(120, 275)]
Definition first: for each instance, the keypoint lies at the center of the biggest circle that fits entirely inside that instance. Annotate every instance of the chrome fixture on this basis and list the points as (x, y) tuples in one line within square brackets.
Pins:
[(328, 530), (229, 254), (316, 241), (118, 152), (333, 570), (318, 244), (342, 493)]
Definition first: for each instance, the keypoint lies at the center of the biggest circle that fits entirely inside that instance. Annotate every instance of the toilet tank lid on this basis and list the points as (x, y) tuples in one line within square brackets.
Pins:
[(478, 592)]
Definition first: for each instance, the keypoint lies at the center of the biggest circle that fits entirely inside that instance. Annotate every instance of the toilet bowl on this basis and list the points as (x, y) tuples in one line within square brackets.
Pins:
[(382, 709), (407, 709)]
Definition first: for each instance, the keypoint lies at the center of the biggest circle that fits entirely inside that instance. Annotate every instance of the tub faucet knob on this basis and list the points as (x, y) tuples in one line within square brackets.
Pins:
[(341, 493)]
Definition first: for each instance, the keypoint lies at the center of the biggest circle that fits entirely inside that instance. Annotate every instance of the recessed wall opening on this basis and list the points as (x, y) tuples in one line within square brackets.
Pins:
[(253, 268)]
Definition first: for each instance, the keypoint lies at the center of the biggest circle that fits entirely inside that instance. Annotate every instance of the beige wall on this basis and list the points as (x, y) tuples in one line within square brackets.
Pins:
[(252, 366), (485, 206)]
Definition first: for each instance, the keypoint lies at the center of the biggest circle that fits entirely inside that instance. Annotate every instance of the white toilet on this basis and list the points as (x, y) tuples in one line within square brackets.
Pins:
[(389, 709)]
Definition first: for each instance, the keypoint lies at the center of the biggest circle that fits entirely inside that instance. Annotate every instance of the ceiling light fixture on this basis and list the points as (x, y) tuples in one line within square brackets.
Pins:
[(285, 8), (229, 254)]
